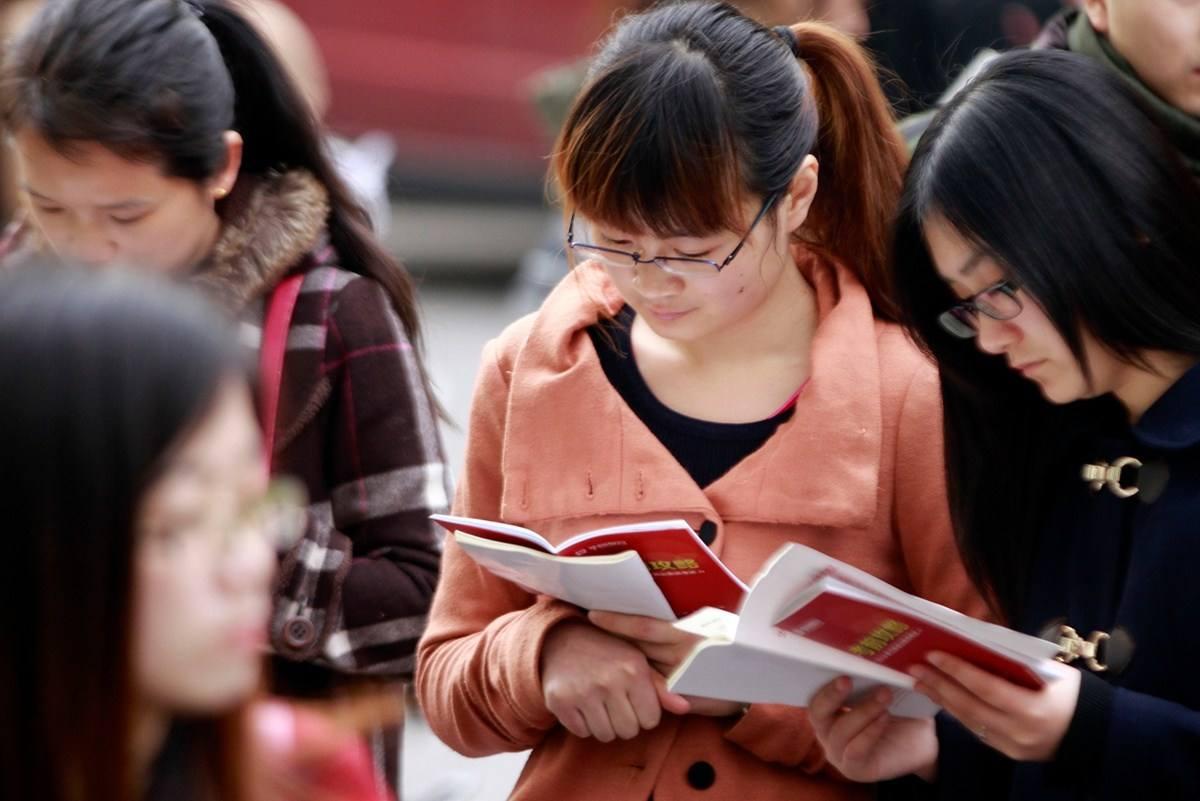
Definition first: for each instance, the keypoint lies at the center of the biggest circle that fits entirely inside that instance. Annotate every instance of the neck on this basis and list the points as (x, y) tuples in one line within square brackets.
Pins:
[(1145, 385), (781, 326), (149, 732), (212, 234)]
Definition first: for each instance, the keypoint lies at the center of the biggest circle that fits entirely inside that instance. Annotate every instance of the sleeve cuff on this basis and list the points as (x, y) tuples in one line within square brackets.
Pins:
[(540, 619), (1088, 731), (906, 788), (966, 767)]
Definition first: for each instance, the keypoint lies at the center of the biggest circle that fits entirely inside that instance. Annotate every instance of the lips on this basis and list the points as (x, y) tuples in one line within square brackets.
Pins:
[(249, 639), (1025, 367), (668, 314)]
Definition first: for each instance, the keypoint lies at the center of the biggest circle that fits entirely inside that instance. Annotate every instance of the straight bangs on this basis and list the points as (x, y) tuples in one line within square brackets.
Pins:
[(640, 159)]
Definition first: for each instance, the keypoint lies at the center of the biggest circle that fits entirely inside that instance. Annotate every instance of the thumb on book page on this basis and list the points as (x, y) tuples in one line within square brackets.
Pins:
[(670, 702)]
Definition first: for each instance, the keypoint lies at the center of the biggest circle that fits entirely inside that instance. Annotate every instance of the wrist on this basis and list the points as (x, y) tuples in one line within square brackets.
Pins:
[(554, 638), (1083, 740)]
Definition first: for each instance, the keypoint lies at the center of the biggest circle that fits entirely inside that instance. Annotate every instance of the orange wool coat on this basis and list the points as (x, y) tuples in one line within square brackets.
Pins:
[(857, 472)]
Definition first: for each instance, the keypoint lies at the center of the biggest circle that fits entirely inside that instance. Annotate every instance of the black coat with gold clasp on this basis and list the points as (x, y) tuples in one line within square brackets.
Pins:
[(1118, 563)]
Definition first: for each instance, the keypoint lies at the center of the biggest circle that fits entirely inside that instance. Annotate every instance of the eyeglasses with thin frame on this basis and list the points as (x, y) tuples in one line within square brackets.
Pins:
[(998, 301), (277, 517), (683, 266)]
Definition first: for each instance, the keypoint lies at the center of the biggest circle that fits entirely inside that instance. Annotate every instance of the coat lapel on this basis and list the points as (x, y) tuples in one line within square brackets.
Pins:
[(273, 226), (573, 448)]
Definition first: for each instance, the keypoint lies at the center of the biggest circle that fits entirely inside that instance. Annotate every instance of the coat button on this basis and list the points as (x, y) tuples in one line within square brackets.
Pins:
[(707, 532), (701, 775), (299, 633)]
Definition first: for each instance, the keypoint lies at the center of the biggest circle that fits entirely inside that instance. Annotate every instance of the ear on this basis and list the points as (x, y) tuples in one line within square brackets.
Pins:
[(222, 183), (1097, 11), (800, 194)]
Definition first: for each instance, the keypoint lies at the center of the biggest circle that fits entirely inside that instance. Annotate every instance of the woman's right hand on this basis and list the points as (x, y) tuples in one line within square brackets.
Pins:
[(865, 742), (601, 686)]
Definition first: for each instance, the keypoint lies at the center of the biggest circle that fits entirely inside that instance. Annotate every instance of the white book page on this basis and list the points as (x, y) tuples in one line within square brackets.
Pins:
[(710, 623), (735, 672), (505, 528), (629, 528), (754, 632), (615, 583)]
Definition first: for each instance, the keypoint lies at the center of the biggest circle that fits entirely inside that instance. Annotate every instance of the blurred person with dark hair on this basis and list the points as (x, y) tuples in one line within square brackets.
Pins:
[(720, 353), (1153, 44), (926, 43), (137, 570), (1046, 256), (165, 136), (363, 162)]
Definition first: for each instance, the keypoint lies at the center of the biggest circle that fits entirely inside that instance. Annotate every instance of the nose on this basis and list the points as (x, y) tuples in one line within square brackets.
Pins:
[(248, 565), (654, 282), (995, 336), (91, 247)]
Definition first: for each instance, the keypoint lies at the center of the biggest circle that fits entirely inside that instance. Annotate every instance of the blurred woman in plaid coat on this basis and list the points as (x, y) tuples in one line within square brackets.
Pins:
[(164, 136)]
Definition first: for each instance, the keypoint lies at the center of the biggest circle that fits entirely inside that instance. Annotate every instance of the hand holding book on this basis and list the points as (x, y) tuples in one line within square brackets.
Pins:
[(665, 647), (866, 743), (598, 685), (1025, 725), (810, 618)]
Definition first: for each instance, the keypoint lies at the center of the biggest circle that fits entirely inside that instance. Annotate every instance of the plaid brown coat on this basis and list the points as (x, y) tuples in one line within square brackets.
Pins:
[(356, 424)]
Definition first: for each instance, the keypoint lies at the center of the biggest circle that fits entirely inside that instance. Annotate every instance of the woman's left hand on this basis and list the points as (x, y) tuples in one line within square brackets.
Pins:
[(665, 648), (664, 645), (1026, 725)]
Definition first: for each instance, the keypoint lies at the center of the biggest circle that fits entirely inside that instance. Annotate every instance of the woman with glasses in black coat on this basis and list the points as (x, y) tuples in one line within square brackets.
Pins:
[(1046, 257)]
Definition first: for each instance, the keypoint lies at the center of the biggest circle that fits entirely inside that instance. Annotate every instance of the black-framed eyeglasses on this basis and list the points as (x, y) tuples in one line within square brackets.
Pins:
[(998, 301), (683, 266)]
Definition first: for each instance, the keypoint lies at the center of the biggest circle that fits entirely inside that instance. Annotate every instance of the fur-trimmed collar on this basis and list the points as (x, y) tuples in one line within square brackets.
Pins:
[(269, 224)]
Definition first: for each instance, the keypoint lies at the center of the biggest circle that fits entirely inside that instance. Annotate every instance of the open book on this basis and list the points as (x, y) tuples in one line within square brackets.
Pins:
[(660, 569), (810, 618)]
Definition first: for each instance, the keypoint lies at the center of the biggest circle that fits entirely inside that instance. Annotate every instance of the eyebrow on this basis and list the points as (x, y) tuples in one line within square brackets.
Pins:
[(970, 264), (123, 204)]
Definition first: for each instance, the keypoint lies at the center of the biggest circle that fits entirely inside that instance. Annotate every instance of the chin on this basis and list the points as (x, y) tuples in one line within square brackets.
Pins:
[(1059, 395), (221, 690)]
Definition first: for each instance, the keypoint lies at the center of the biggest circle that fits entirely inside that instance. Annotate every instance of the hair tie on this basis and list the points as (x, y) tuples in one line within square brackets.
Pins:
[(786, 33)]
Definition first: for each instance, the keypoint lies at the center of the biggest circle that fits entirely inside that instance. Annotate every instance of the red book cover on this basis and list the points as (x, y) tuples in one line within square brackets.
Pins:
[(689, 574), (892, 638)]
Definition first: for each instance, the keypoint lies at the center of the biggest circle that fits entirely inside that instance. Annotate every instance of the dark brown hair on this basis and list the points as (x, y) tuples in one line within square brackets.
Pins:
[(161, 81), (95, 398), (692, 107)]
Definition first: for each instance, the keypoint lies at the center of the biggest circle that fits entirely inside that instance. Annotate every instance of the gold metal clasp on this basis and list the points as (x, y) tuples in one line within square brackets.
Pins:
[(1072, 647), (1102, 474)]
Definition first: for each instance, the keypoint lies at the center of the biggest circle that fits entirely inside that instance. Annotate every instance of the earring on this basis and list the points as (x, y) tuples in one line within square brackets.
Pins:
[(220, 192)]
